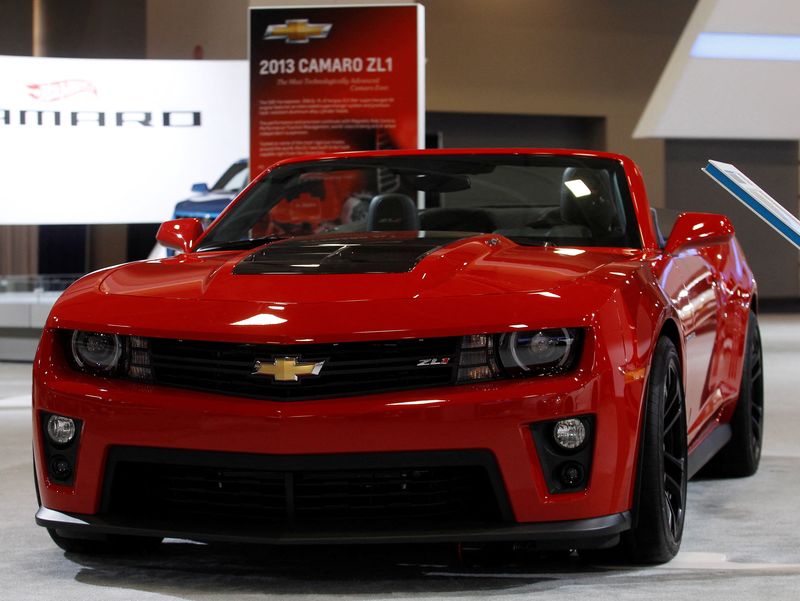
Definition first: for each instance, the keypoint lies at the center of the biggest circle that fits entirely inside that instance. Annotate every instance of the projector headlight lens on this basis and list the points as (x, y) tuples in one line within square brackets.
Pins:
[(95, 351), (539, 351)]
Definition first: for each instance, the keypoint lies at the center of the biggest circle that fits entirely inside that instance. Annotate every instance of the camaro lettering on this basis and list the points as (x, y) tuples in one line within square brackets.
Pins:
[(101, 118)]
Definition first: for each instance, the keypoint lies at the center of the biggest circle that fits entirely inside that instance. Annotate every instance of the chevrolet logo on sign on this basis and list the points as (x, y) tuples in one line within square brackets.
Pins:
[(297, 31), (287, 369)]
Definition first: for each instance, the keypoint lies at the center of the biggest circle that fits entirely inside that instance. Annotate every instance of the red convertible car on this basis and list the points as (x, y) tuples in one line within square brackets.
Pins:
[(502, 347)]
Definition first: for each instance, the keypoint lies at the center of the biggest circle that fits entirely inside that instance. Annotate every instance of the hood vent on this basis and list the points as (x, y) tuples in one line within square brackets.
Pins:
[(365, 253)]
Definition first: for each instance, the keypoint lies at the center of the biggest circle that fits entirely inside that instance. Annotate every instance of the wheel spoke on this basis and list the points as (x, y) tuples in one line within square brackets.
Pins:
[(756, 425), (677, 463), (673, 420), (670, 405), (676, 490), (671, 517)]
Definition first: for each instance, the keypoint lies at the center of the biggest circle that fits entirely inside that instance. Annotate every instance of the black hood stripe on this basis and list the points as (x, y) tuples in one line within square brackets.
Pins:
[(359, 253)]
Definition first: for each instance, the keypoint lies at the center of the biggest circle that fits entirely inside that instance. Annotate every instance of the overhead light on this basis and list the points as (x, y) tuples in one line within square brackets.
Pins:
[(578, 188), (747, 46)]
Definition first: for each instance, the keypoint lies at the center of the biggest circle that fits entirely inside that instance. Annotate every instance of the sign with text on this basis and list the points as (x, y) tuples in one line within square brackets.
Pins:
[(329, 79), (754, 198), (114, 141)]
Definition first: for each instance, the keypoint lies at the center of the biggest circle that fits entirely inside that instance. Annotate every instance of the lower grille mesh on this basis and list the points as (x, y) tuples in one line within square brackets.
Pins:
[(375, 497)]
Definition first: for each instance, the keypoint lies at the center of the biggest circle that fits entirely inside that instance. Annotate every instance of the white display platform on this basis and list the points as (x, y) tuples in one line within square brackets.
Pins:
[(22, 317)]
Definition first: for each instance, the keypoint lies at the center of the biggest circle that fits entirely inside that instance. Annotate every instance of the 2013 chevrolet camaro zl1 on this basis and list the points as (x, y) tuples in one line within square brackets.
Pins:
[(500, 347)]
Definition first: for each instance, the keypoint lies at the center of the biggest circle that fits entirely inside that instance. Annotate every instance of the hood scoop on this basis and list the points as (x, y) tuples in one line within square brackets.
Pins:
[(397, 252)]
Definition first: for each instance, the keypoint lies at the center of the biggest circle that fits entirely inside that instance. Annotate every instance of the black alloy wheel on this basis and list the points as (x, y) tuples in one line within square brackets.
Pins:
[(741, 456), (675, 444), (755, 375), (661, 507)]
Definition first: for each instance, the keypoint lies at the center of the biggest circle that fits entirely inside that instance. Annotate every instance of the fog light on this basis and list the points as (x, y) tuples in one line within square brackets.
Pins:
[(571, 474), (569, 434), (60, 429), (60, 467)]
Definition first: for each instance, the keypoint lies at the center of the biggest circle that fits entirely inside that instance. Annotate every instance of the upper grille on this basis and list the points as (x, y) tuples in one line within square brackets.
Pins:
[(352, 368)]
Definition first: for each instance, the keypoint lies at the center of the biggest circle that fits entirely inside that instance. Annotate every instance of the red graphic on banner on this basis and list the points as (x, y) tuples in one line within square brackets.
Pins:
[(58, 90), (332, 79)]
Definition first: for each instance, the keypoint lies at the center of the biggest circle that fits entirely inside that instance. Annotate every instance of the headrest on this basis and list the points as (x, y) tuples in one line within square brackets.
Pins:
[(586, 200), (392, 212), (457, 220)]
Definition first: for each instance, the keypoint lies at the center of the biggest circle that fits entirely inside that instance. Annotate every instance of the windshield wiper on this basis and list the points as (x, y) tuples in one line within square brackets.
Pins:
[(241, 244)]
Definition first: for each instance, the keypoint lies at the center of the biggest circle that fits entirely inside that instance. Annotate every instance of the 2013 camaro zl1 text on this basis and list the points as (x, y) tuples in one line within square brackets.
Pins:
[(500, 347)]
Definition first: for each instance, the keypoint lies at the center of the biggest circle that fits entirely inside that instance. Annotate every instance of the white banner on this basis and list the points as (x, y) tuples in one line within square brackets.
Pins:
[(114, 141)]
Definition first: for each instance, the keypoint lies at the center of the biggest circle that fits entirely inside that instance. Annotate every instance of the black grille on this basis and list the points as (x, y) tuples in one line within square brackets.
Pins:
[(355, 368), (270, 495)]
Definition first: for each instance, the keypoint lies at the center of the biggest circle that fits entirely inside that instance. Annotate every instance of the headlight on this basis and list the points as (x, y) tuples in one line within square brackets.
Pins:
[(95, 351), (518, 354), (538, 351)]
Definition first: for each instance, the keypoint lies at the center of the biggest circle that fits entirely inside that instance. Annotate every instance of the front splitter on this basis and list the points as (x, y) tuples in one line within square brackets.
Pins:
[(587, 533)]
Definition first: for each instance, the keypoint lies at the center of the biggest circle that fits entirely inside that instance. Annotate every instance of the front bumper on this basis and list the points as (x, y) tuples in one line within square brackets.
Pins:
[(492, 417)]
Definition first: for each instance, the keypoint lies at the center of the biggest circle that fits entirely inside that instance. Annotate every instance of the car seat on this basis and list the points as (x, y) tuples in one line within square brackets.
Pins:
[(392, 212), (586, 200)]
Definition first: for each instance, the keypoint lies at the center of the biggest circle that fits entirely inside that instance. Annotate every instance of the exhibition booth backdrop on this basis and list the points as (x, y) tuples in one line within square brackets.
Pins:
[(114, 141)]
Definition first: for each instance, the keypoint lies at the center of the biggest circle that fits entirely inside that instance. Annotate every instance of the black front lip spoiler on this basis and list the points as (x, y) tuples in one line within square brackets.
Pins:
[(592, 532)]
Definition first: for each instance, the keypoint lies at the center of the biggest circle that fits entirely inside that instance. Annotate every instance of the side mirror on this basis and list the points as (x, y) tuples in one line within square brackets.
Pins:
[(200, 188), (693, 230), (180, 234)]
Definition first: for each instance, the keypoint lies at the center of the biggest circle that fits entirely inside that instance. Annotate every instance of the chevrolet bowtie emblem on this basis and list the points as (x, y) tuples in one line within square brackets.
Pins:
[(297, 31), (287, 369)]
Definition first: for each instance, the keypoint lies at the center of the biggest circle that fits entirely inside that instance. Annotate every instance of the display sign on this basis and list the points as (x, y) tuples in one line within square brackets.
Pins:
[(754, 198), (335, 79), (114, 141)]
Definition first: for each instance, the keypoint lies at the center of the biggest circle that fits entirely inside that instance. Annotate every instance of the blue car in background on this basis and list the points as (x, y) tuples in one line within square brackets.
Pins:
[(207, 202)]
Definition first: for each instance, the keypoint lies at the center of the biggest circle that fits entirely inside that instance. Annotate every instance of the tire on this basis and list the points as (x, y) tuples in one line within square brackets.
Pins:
[(658, 520), (741, 455), (105, 544), (657, 535)]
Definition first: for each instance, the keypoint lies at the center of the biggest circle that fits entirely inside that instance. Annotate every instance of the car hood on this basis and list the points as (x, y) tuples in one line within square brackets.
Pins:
[(465, 284), (361, 267)]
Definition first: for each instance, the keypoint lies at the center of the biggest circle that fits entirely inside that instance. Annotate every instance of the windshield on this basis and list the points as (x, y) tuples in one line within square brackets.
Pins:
[(531, 199)]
